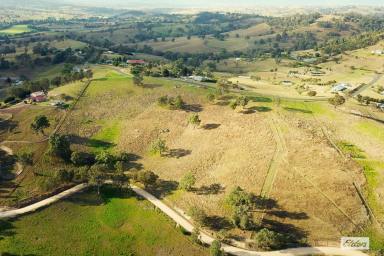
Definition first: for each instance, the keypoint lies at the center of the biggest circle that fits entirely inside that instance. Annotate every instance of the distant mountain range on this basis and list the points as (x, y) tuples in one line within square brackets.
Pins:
[(137, 4)]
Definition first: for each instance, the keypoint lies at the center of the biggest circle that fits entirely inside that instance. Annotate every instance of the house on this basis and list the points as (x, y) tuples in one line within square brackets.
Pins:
[(199, 78), (378, 52), (340, 87), (286, 83), (38, 96), (136, 62)]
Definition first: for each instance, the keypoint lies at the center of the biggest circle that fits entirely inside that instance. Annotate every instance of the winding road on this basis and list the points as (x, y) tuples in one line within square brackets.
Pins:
[(180, 220)]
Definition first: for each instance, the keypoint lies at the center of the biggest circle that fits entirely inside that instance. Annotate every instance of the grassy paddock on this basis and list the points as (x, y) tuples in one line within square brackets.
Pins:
[(16, 29), (87, 224)]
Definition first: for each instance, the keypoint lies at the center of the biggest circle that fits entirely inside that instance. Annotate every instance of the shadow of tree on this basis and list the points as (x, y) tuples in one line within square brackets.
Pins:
[(75, 139), (217, 223), (290, 215), (6, 229), (212, 189), (7, 163), (254, 109), (177, 153), (193, 108), (8, 125), (298, 110), (151, 86), (164, 188), (264, 203), (259, 99), (210, 126), (222, 103), (294, 236), (227, 97)]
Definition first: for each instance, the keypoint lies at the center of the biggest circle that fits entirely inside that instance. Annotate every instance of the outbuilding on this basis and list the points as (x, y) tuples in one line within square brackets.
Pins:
[(340, 87)]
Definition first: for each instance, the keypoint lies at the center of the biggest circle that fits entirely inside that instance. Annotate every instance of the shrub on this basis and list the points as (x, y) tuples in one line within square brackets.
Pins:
[(215, 249), (194, 120), (47, 184), (198, 215), (64, 176), (25, 157), (106, 158), (312, 93), (59, 146), (195, 235), (81, 174), (158, 147), (211, 97), (268, 240), (245, 222), (238, 197), (9, 99), (187, 182)]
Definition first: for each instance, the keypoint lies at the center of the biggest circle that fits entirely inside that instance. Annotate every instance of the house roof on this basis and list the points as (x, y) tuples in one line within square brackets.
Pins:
[(38, 94), (339, 88), (135, 61)]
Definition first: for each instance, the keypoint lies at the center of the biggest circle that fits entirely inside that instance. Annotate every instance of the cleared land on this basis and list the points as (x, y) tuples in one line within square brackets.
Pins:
[(111, 224), (16, 29), (230, 148)]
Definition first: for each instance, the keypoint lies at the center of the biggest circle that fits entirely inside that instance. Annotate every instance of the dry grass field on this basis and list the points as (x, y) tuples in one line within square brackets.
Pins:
[(230, 148)]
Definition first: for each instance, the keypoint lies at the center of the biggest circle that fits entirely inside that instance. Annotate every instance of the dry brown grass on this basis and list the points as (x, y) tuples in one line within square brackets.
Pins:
[(234, 149)]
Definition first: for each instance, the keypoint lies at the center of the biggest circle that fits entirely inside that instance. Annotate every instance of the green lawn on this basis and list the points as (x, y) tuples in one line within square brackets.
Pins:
[(86, 224), (16, 29)]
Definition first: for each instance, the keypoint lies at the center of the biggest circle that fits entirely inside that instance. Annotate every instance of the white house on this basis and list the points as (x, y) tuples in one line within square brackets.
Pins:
[(340, 87)]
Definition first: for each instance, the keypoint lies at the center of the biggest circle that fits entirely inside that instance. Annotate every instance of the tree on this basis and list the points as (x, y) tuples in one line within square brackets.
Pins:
[(198, 215), (268, 240), (137, 79), (337, 100), (215, 249), (64, 176), (178, 103), (40, 123), (245, 222), (187, 182), (195, 235), (233, 105), (238, 197), (211, 97), (222, 85), (120, 179), (88, 74), (243, 101), (312, 93), (97, 176), (25, 157), (148, 178), (106, 158), (158, 147), (194, 120), (59, 146), (82, 158)]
